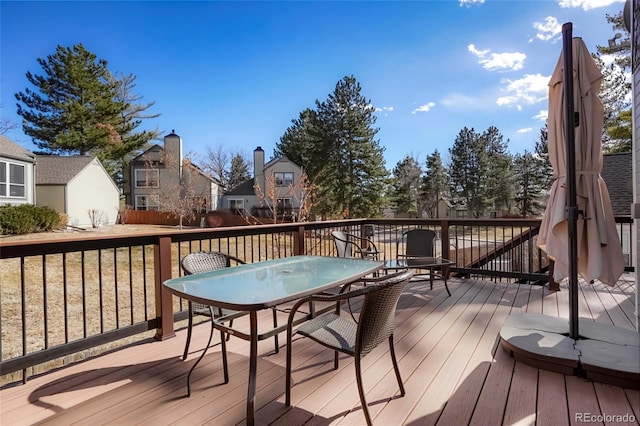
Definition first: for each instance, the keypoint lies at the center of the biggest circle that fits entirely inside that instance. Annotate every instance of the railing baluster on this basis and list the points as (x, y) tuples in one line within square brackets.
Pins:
[(45, 309)]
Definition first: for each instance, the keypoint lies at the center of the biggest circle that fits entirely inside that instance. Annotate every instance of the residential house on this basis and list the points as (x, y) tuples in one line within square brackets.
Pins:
[(617, 172), (276, 185), (17, 171), (156, 177), (78, 186), (632, 14)]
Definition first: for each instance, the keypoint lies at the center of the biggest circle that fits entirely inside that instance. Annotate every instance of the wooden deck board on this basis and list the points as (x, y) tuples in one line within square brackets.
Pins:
[(552, 402), (452, 366)]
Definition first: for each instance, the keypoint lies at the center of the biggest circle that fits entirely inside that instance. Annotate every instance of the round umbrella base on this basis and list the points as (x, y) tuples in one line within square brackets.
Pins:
[(603, 353)]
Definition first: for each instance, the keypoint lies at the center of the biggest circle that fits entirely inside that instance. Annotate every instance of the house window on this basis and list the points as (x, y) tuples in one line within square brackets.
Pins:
[(236, 205), (285, 203), (147, 202), (284, 178), (147, 178), (12, 180)]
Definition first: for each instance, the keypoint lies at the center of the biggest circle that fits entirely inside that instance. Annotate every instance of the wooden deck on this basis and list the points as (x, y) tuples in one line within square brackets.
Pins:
[(453, 368)]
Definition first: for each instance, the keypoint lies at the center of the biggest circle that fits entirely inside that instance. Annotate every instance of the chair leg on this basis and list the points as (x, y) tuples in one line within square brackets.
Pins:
[(206, 348), (287, 399), (395, 365), (363, 401), (336, 356), (275, 325), (189, 328), (223, 348)]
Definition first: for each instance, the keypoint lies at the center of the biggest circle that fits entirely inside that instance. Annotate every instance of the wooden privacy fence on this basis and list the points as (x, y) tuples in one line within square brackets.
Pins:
[(212, 219)]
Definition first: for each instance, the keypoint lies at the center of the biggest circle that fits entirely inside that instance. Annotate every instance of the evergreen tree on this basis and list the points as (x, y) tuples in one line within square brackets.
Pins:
[(468, 171), (238, 172), (542, 158), (434, 184), (530, 184), (500, 183), (480, 171), (302, 144), (337, 147), (406, 184), (78, 107), (229, 168), (616, 89)]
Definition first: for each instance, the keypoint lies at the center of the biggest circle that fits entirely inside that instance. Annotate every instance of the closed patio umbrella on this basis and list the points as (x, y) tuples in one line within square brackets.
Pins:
[(597, 253)]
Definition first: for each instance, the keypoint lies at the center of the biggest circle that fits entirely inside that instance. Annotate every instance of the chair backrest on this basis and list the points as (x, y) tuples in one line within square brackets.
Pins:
[(204, 261), (418, 242), (376, 320), (344, 246)]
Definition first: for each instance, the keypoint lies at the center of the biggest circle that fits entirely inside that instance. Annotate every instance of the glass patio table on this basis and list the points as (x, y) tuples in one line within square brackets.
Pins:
[(256, 286), (438, 267)]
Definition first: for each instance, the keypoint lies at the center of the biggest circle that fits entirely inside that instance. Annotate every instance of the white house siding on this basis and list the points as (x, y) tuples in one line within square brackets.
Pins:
[(636, 164), (92, 189)]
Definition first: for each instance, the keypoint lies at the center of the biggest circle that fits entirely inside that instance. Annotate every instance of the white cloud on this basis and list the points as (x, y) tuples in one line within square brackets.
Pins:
[(529, 90), (549, 29), (526, 130), (380, 109), (460, 100), (424, 108), (587, 4), (498, 61), (469, 3), (542, 115)]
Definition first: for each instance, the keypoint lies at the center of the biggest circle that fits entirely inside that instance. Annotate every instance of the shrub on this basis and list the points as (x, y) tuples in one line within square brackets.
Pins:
[(27, 218)]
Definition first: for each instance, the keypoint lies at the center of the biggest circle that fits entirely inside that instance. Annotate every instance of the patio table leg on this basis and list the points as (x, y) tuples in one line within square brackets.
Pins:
[(253, 366)]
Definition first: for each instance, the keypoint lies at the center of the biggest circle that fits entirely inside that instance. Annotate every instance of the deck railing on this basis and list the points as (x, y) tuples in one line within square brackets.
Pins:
[(65, 299)]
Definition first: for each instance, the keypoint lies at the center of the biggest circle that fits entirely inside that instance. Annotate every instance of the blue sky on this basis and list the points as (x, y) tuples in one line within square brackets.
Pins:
[(234, 74)]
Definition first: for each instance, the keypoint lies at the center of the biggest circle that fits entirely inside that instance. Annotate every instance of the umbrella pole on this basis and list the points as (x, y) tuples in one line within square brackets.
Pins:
[(570, 122)]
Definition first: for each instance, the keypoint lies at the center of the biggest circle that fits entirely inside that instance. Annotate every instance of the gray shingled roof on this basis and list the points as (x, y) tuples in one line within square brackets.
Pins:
[(245, 188), (617, 173), (59, 170), (10, 149)]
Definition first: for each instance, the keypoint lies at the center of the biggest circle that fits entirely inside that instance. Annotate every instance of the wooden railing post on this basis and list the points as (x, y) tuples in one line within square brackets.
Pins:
[(444, 239), (164, 299), (298, 241)]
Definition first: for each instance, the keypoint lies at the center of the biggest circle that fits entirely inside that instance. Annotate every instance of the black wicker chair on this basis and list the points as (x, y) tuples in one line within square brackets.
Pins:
[(343, 334), (199, 262), (419, 243)]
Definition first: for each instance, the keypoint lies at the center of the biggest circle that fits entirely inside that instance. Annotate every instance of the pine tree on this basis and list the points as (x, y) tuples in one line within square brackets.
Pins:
[(238, 171), (530, 184), (480, 171), (468, 171), (301, 143), (336, 145), (616, 89), (434, 184), (500, 183), (78, 107), (406, 185), (542, 158)]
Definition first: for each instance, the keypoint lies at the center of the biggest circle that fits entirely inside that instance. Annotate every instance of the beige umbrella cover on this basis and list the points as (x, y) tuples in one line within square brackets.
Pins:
[(599, 251)]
